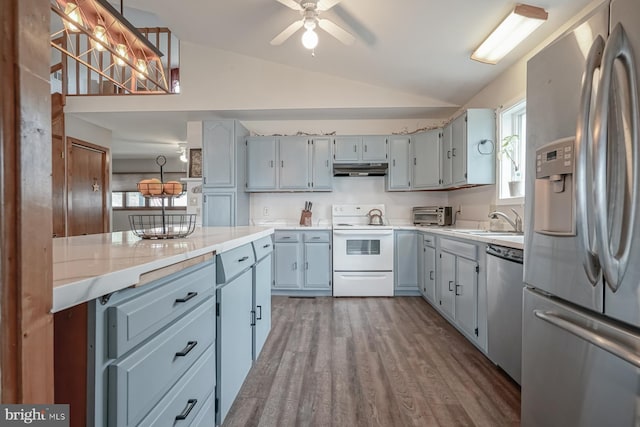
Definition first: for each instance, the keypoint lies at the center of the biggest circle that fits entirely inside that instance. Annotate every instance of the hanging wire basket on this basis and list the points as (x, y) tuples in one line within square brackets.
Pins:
[(164, 226)]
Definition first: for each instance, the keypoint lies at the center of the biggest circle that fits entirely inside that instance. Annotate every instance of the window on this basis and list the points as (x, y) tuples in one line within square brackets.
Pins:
[(135, 200), (512, 150)]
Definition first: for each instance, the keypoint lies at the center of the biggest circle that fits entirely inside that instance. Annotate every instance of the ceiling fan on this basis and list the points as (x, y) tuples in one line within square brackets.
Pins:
[(309, 9)]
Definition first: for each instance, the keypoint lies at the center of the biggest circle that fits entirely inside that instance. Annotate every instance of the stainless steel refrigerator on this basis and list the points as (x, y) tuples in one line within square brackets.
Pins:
[(581, 304)]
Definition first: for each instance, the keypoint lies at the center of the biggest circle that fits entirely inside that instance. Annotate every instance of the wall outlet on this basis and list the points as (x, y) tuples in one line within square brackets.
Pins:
[(193, 201), (265, 211)]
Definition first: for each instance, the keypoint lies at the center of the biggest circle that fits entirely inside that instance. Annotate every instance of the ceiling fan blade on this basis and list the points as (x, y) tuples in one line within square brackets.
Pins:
[(288, 32), (326, 4), (336, 31), (291, 3)]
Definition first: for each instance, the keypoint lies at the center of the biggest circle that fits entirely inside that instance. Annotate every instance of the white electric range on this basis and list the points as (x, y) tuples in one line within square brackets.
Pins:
[(362, 253)]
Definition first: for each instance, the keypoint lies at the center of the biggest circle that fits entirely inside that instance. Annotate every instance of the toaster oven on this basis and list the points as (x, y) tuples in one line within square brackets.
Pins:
[(432, 215)]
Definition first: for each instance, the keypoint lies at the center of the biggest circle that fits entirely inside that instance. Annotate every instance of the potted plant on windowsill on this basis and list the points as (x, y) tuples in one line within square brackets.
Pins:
[(508, 149)]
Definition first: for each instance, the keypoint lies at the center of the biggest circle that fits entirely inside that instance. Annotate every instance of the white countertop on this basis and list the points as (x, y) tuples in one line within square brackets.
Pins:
[(509, 241), (87, 267)]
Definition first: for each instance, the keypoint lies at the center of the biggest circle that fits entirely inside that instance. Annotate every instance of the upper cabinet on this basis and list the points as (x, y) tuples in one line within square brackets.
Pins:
[(426, 159), (219, 154), (473, 148), (399, 173), (354, 149), (288, 163), (446, 176)]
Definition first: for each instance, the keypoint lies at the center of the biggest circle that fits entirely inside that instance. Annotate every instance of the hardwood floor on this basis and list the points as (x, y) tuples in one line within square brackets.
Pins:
[(371, 362)]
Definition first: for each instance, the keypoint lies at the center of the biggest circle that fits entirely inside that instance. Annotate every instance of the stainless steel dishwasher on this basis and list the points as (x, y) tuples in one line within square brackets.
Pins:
[(504, 299)]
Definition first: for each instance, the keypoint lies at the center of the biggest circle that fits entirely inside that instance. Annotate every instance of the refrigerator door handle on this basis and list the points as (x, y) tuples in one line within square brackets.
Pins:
[(584, 168), (614, 264), (608, 338)]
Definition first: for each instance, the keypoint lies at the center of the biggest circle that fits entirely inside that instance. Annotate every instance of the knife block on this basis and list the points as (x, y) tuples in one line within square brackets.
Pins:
[(305, 218)]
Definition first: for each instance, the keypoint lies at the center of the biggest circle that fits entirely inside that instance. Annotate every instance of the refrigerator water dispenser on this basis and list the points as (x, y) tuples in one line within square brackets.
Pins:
[(554, 191)]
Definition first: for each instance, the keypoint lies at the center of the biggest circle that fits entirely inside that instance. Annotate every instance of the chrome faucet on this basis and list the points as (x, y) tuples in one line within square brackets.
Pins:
[(517, 224)]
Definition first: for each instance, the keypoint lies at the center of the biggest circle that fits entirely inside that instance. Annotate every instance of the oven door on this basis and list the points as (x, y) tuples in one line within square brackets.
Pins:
[(363, 250)]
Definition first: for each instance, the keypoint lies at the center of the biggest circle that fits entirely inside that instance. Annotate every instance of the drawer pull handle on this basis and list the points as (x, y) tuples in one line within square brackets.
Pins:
[(259, 307), (266, 246), (243, 259), (191, 403), (188, 297), (187, 349), (316, 238), (285, 237)]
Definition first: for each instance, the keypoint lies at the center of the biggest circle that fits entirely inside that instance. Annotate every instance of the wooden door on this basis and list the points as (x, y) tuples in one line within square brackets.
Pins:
[(58, 183), (88, 182)]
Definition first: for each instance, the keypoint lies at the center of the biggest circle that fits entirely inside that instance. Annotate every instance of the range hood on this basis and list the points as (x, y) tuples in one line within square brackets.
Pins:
[(360, 169)]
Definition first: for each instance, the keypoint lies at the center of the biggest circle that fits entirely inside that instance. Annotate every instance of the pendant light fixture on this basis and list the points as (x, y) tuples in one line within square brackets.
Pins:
[(97, 23), (516, 27)]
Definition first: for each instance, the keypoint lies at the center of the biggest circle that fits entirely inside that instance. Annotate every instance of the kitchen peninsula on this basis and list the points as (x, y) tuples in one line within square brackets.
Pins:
[(158, 329)]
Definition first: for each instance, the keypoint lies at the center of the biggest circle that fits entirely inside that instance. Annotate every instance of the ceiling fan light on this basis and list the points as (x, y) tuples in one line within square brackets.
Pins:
[(309, 24), (73, 12), (100, 33), (310, 39), (121, 49)]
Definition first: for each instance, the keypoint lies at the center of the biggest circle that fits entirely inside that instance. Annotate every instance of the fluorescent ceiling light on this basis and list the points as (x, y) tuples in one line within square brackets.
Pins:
[(516, 27)]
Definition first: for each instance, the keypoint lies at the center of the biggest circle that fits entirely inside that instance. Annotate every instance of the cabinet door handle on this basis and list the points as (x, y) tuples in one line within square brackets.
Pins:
[(295, 265), (252, 318), (365, 148), (450, 283), (326, 162), (394, 162), (187, 349), (448, 154), (306, 265), (453, 152), (259, 307), (430, 274), (187, 297), (281, 163), (414, 161), (355, 148), (266, 246), (458, 286), (244, 258), (271, 163), (191, 403)]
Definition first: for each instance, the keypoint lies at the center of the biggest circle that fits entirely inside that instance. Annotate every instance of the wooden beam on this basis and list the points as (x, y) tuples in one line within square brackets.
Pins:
[(26, 323)]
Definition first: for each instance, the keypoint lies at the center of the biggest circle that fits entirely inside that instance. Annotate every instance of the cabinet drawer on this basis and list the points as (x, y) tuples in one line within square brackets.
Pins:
[(234, 262), (429, 240), (467, 250), (262, 247), (139, 380), (195, 391), (136, 319), (316, 237), (286, 236)]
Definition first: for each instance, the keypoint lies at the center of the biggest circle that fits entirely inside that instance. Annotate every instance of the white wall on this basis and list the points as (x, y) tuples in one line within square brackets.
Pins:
[(370, 190), (85, 131)]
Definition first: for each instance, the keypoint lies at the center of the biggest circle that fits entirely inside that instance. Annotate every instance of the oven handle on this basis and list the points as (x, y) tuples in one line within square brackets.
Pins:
[(362, 232)]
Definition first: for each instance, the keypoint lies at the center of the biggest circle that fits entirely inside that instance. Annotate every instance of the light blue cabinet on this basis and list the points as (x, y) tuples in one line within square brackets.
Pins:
[(399, 173), (261, 163), (321, 165), (287, 264), (219, 209), (426, 159), (374, 148), (466, 295), (446, 165), (234, 338), (429, 273), (474, 147), (317, 273), (262, 279), (302, 262), (406, 263), (224, 174), (447, 283), (149, 347), (346, 149), (294, 163)]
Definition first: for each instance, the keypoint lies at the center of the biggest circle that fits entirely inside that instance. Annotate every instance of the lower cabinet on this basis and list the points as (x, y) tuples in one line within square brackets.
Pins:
[(302, 262), (447, 282), (428, 278), (262, 279), (153, 352), (406, 263)]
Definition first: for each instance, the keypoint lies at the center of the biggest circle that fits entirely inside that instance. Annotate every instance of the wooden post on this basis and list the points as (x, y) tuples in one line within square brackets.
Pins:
[(26, 324)]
